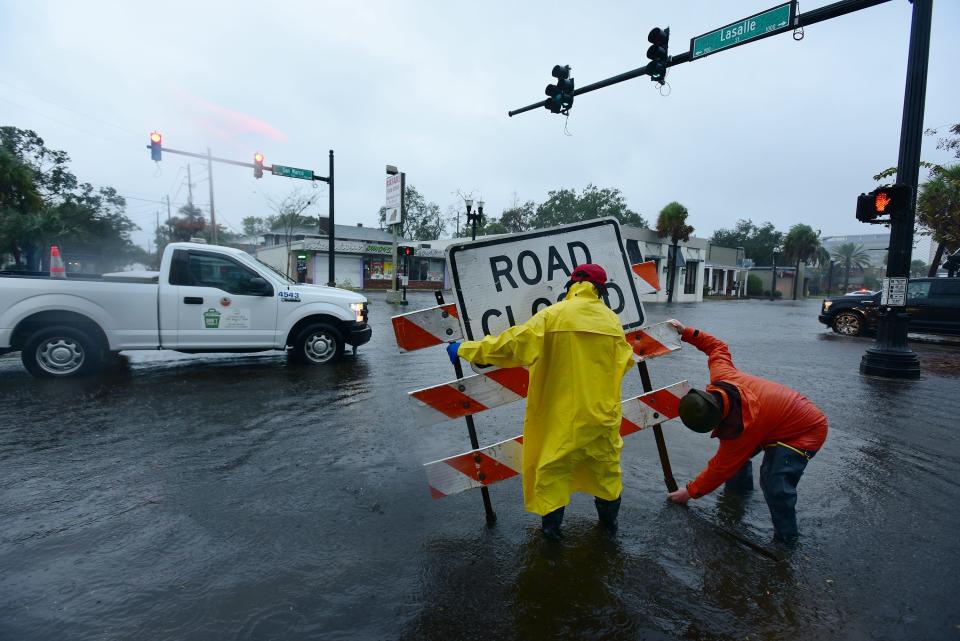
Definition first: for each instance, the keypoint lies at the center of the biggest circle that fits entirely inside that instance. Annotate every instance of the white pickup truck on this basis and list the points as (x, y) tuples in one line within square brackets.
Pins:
[(205, 298)]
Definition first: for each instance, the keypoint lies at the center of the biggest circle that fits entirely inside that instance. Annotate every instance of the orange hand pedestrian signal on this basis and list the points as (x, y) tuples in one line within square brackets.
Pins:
[(881, 201)]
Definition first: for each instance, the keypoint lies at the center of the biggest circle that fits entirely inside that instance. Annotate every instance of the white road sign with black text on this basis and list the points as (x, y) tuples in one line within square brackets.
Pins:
[(394, 198), (504, 281)]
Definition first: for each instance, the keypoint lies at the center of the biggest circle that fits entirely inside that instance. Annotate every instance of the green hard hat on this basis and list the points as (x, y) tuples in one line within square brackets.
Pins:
[(700, 411)]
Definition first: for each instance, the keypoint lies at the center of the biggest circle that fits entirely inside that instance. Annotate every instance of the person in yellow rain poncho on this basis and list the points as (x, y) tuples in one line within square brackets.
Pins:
[(577, 356)]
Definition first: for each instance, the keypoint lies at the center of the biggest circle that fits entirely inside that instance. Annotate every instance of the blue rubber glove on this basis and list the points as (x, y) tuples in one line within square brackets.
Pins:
[(452, 349)]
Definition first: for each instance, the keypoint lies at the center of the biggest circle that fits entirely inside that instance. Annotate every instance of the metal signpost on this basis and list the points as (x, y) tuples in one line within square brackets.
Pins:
[(504, 281), (395, 186), (760, 25)]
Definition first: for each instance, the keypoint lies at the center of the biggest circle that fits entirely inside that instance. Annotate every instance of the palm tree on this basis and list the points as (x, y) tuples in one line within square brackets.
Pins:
[(800, 244), (672, 222), (938, 209), (851, 256)]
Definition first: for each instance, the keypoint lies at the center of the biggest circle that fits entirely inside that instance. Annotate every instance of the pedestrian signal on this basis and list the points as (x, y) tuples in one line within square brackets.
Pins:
[(887, 202), (406, 250)]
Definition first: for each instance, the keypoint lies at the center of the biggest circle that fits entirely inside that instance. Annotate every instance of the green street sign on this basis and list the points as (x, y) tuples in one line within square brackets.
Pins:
[(292, 172), (766, 23)]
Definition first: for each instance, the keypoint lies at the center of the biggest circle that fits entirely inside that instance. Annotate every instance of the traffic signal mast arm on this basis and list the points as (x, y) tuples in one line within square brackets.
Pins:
[(227, 161), (813, 16)]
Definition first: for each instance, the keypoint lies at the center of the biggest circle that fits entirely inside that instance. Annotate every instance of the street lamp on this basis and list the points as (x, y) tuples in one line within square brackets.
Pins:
[(473, 219), (773, 274)]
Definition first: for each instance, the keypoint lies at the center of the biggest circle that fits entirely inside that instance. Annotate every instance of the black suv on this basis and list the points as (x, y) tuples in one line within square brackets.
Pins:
[(933, 305)]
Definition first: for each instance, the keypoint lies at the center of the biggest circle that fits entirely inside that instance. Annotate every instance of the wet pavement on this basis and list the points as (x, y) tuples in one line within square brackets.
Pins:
[(239, 497)]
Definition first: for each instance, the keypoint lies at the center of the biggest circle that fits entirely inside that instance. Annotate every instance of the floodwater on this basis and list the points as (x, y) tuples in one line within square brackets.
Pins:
[(225, 497)]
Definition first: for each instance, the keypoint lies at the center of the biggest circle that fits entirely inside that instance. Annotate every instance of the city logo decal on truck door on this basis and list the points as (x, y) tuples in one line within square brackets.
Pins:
[(288, 296), (211, 319), (232, 318)]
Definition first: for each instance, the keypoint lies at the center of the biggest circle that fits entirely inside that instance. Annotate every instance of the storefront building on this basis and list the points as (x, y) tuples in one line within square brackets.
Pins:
[(362, 258)]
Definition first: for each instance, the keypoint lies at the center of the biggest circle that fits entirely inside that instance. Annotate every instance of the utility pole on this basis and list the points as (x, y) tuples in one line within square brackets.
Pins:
[(890, 356), (189, 187), (331, 251), (213, 215), (168, 208)]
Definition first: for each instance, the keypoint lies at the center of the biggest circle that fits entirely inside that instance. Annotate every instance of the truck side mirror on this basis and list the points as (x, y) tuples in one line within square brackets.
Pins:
[(260, 286)]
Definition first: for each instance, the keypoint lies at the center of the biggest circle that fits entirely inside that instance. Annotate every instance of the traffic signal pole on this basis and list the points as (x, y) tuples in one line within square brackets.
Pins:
[(157, 149), (814, 16), (891, 357)]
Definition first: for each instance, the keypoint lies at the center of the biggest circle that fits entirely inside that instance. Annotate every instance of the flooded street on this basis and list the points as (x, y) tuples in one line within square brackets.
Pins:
[(241, 497)]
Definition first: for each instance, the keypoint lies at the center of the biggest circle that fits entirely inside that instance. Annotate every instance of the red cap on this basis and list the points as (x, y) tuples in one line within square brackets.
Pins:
[(591, 273)]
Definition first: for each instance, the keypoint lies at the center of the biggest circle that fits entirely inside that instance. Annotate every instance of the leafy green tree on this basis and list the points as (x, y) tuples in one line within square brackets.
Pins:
[(565, 206), (422, 219), (519, 217), (918, 269), (800, 245), (851, 256), (938, 211), (43, 203), (672, 223), (758, 242)]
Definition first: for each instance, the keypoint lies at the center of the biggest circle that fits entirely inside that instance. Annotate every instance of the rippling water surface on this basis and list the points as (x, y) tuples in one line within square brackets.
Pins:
[(225, 497)]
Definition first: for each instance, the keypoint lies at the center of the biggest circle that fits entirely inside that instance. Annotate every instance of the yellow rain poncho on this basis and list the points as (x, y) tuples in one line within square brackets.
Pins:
[(577, 356)]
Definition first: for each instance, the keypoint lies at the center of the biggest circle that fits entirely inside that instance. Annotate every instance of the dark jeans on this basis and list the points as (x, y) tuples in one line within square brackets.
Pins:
[(607, 512), (780, 473)]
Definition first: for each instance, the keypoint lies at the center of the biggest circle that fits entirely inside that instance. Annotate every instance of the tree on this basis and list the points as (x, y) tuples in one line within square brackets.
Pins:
[(851, 256), (938, 211), (672, 222), (289, 217), (758, 242), (564, 206), (421, 219), (799, 245), (43, 203), (918, 268)]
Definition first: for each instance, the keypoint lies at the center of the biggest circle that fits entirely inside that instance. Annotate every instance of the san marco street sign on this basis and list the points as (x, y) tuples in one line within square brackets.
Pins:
[(501, 282), (766, 23), (292, 172)]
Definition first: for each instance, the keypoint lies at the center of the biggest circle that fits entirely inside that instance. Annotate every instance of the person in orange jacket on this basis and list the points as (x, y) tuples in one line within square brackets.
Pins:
[(749, 414)]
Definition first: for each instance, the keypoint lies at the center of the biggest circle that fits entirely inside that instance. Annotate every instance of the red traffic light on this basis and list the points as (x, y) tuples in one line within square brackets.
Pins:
[(156, 138), (258, 165), (156, 148), (258, 157)]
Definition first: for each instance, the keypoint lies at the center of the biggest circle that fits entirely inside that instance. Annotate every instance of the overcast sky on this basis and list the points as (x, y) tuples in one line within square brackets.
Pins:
[(775, 130)]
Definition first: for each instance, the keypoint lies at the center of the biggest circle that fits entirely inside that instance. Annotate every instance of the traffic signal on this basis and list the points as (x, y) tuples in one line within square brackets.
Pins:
[(258, 165), (155, 145), (561, 94), (890, 200), (659, 40), (406, 250)]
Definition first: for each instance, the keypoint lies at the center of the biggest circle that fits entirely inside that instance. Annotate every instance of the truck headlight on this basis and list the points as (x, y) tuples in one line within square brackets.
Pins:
[(360, 310), (826, 305)]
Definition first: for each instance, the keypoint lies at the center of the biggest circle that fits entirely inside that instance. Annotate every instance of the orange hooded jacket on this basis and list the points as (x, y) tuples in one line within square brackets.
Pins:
[(771, 413)]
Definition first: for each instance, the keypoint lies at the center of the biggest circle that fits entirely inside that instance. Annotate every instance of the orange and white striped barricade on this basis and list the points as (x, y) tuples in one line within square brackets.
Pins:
[(469, 395), (656, 340), (427, 327), (648, 281), (488, 465), (494, 387)]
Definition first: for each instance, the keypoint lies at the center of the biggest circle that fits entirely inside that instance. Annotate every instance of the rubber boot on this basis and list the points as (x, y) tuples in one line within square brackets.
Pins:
[(550, 524), (607, 512)]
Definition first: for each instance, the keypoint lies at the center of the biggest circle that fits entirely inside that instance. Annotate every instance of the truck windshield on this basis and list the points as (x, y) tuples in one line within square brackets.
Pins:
[(276, 271)]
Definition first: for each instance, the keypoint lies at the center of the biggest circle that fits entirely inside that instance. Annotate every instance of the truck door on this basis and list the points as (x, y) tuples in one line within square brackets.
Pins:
[(224, 304), (919, 305), (945, 296)]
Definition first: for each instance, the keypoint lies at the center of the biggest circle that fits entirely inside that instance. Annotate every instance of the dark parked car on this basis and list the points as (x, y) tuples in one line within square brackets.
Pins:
[(933, 305)]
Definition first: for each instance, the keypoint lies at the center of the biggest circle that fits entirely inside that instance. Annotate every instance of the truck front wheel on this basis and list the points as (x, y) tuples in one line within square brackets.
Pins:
[(61, 352), (318, 344)]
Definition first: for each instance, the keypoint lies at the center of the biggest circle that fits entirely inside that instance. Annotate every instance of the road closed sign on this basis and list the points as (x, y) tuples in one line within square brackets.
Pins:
[(504, 281)]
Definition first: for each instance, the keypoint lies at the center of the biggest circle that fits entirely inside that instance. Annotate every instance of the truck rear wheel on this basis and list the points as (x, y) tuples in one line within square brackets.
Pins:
[(318, 344), (61, 352)]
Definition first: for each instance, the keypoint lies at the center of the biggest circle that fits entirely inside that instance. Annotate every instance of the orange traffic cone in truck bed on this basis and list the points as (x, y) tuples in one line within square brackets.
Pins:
[(56, 263)]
